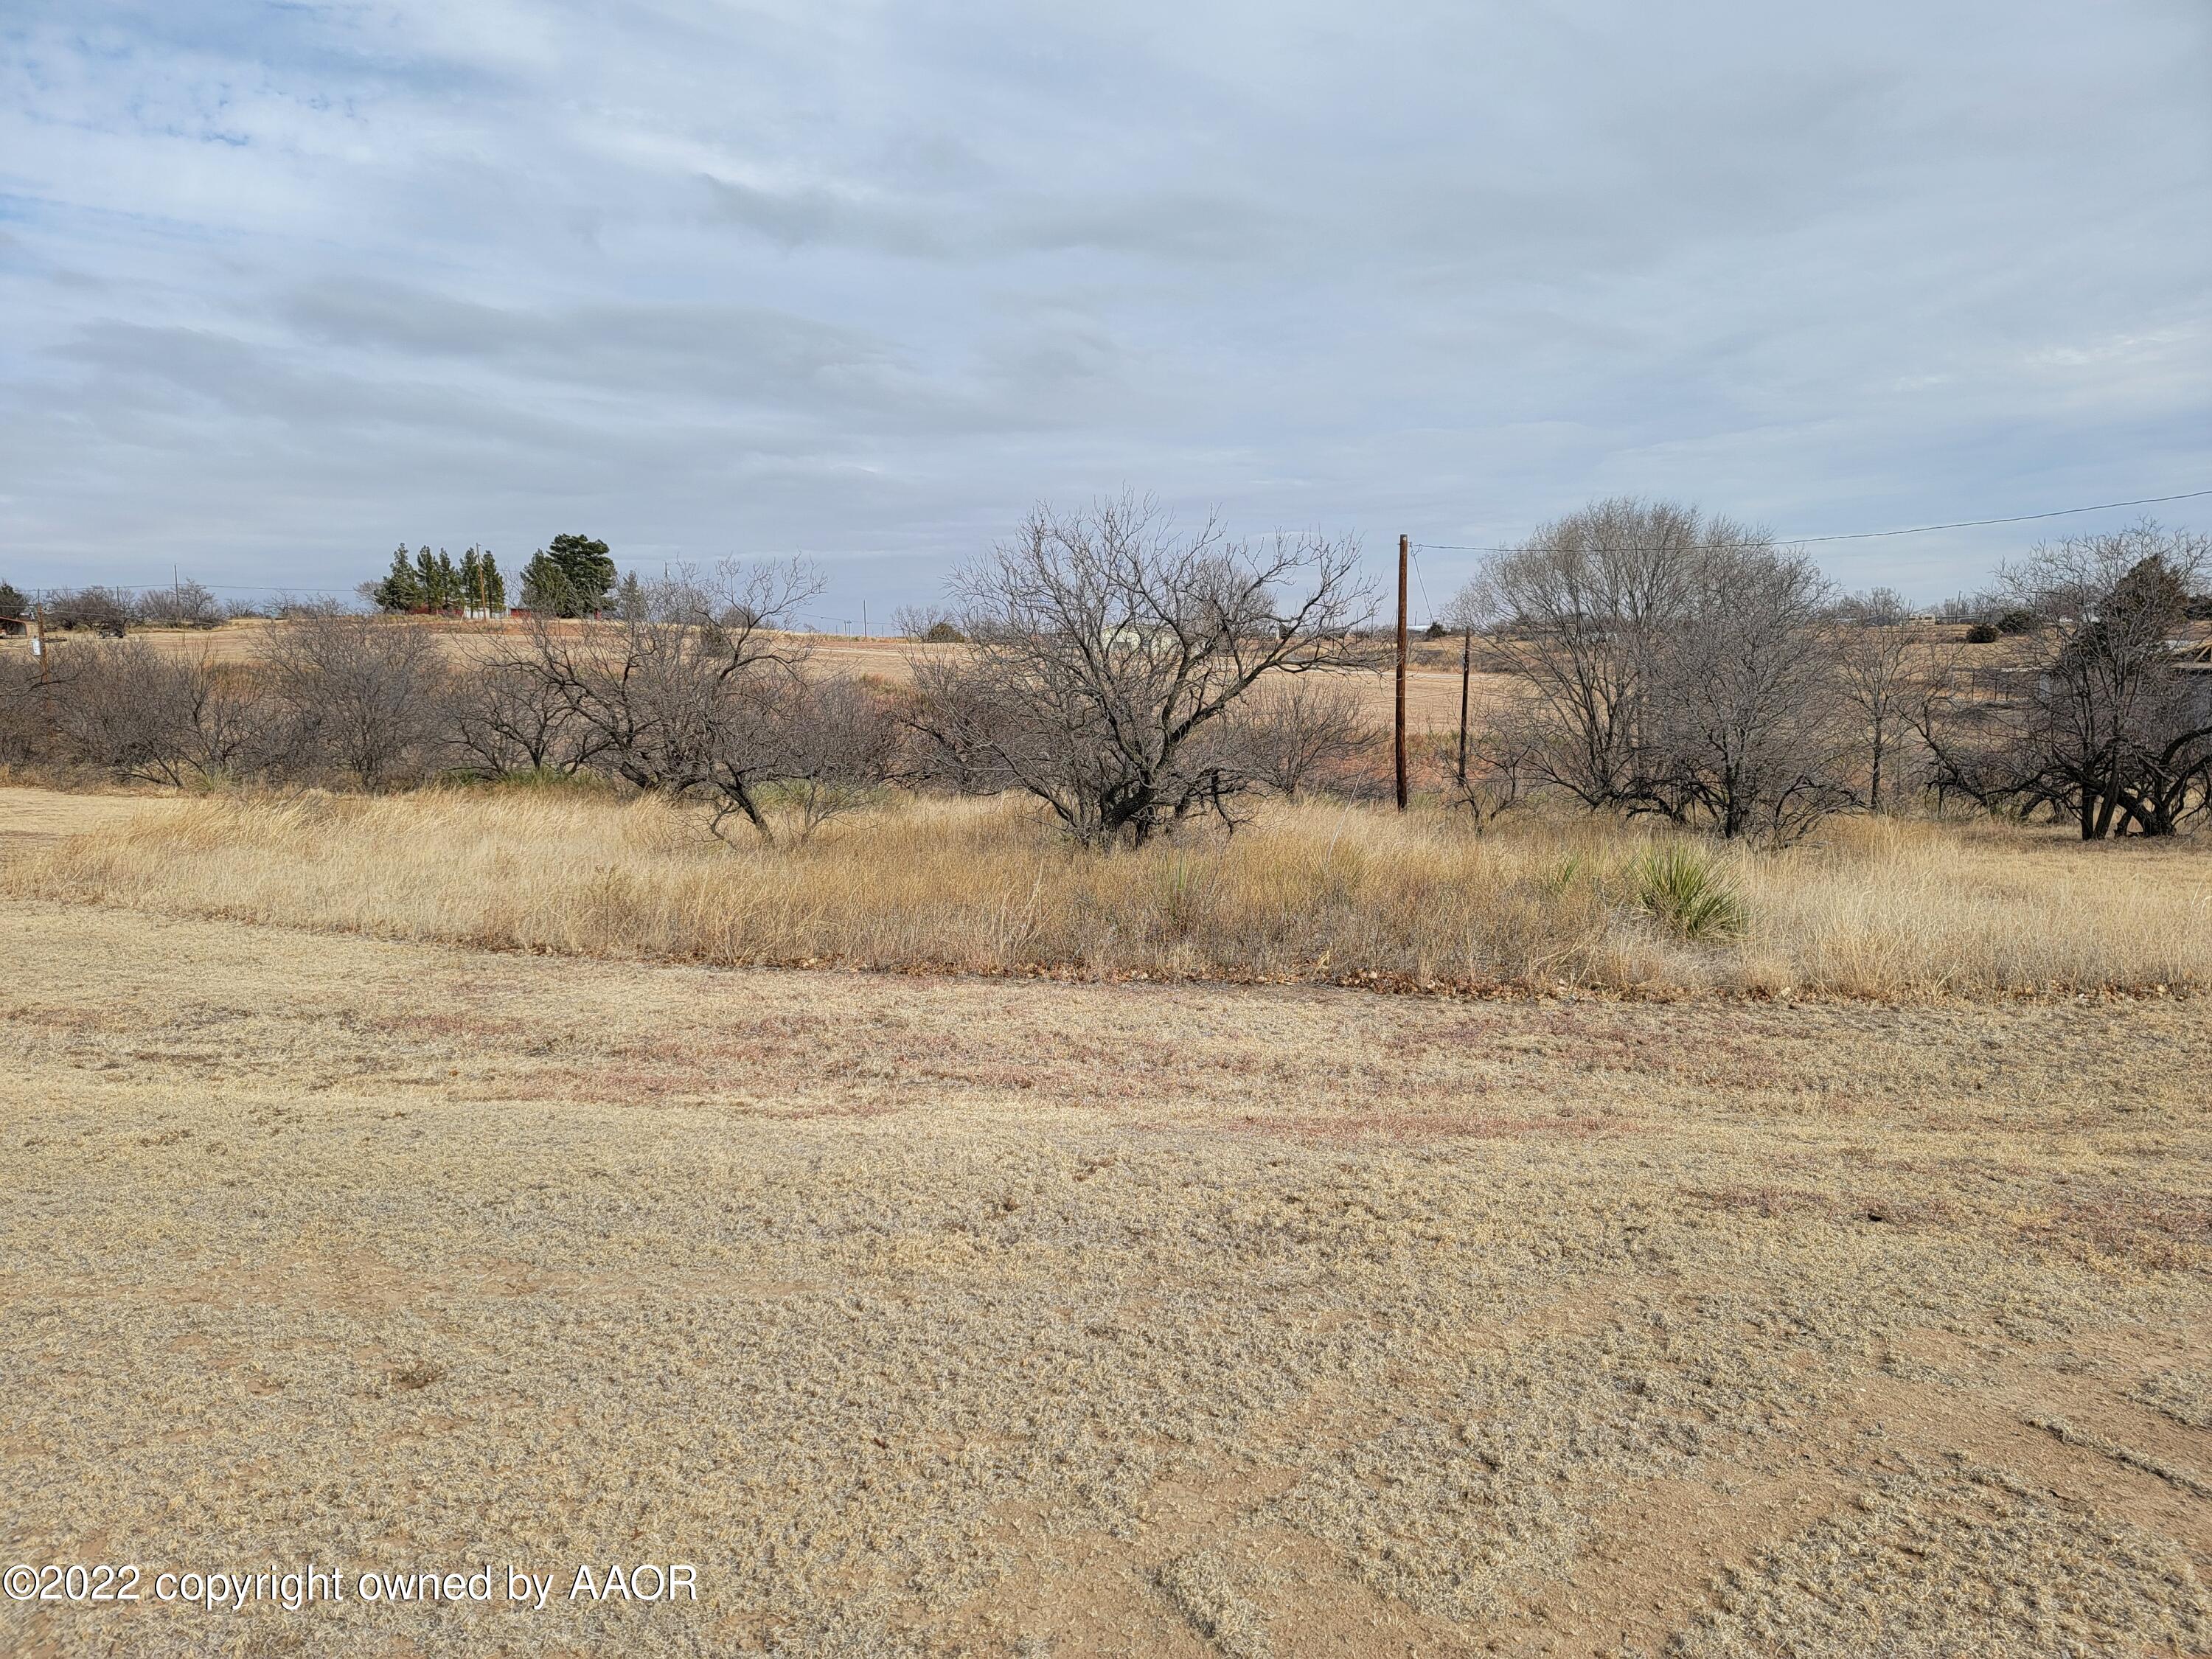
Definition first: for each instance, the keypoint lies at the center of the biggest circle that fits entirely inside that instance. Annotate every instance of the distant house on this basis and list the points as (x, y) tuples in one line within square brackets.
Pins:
[(14, 627)]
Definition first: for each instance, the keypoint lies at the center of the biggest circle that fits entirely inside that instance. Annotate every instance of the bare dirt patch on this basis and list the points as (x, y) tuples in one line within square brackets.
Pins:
[(937, 1316)]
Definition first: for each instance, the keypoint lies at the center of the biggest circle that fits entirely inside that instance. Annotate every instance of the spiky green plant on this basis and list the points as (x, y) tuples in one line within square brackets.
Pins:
[(1679, 886)]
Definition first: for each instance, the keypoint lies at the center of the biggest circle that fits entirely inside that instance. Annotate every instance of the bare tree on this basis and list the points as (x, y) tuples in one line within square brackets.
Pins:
[(1674, 664), (1873, 665), (928, 624), (147, 716), (504, 715), (1976, 746), (838, 739), (360, 691), (1742, 731), (1502, 765), (1108, 649), (102, 611), (2168, 778), (1305, 729), (686, 691), (31, 692), (2116, 723), (181, 604), (1581, 612)]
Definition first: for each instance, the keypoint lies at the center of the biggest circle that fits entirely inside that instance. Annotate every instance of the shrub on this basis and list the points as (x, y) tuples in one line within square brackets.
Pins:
[(359, 693), (1678, 886), (1111, 652), (2016, 620), (102, 611), (1675, 664), (181, 604), (1981, 633)]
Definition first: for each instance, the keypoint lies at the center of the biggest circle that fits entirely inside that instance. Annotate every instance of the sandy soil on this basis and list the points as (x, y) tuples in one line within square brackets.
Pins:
[(939, 1316)]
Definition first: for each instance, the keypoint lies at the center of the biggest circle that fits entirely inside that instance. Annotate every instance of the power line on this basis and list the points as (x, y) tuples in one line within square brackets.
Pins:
[(1433, 547), (1427, 604), (1913, 529), (212, 588)]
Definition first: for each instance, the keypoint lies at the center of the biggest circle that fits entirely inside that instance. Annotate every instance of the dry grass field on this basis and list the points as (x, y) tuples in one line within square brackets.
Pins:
[(1000, 1316), (1431, 680), (1313, 893), (1431, 683)]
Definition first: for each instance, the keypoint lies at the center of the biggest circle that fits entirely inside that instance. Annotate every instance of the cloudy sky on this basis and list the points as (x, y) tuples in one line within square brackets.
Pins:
[(282, 285)]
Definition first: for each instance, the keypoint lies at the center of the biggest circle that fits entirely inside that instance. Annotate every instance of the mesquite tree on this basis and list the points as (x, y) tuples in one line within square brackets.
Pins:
[(2106, 718), (360, 691), (689, 692), (1674, 665), (1108, 649), (1877, 682)]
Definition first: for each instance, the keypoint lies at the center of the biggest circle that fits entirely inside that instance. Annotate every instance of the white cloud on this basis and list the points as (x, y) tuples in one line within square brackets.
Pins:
[(282, 285)]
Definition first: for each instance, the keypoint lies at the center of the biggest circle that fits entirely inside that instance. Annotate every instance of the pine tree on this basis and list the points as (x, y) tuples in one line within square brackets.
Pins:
[(546, 588), (494, 584), (590, 568), (472, 580), (401, 588)]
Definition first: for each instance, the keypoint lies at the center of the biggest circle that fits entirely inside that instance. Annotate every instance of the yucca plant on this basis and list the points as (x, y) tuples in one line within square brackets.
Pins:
[(1679, 886)]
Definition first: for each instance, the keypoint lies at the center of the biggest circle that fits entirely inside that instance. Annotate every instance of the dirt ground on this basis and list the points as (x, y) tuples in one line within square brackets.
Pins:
[(930, 1315)]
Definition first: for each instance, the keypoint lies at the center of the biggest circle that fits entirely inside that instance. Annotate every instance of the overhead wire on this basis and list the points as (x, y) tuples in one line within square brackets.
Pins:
[(1910, 530), (1433, 547), (1427, 604)]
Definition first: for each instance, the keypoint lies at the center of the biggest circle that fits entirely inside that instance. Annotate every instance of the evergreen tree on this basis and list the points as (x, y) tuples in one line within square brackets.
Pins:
[(494, 584), (439, 580), (546, 588), (12, 602), (629, 598), (590, 568), (401, 588), (472, 580)]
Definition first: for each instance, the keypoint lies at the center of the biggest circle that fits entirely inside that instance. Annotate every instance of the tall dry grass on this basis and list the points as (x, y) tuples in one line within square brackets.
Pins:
[(1316, 893)]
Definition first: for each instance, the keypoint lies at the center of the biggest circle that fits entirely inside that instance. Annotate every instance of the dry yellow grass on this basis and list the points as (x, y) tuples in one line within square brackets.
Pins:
[(1431, 686), (964, 1316), (1317, 893)]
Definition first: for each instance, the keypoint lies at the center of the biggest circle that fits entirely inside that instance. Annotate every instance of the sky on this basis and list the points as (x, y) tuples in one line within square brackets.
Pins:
[(284, 285)]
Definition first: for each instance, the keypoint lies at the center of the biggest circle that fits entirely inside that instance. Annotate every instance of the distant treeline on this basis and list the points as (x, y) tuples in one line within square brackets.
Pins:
[(1137, 678)]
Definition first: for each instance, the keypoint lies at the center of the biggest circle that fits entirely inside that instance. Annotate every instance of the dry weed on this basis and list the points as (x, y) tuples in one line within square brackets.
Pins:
[(1311, 893)]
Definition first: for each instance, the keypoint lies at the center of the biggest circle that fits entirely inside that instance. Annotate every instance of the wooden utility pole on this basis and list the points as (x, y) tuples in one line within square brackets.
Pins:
[(1398, 741), (46, 669), (1466, 662)]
